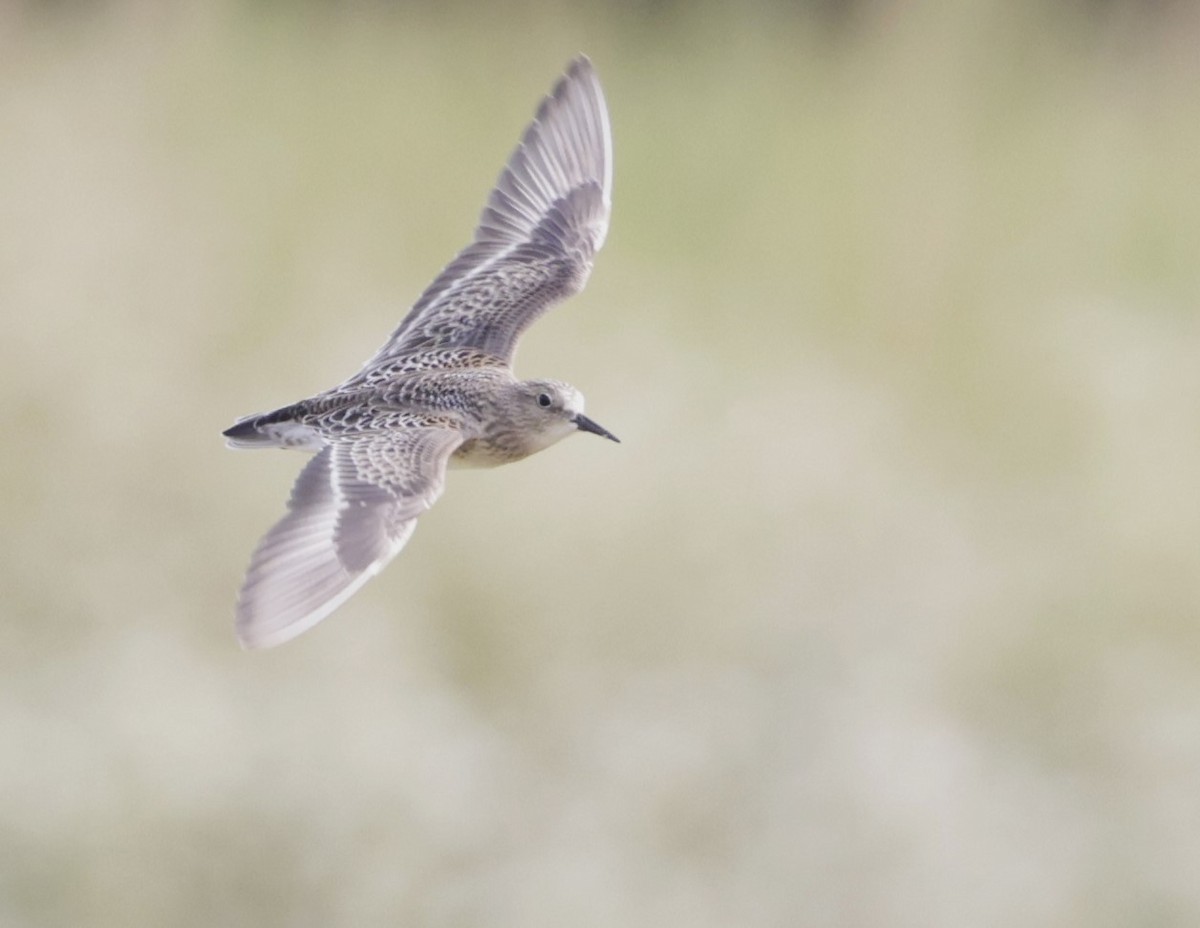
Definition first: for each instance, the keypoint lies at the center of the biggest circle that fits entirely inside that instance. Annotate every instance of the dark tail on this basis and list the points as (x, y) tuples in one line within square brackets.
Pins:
[(245, 434), (278, 429)]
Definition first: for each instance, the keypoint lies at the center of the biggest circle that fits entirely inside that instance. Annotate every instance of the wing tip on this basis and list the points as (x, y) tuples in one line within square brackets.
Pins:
[(579, 66), (581, 72), (572, 134), (255, 633)]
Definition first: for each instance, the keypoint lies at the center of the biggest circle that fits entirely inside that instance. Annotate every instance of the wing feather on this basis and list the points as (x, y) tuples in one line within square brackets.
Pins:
[(555, 193), (352, 509)]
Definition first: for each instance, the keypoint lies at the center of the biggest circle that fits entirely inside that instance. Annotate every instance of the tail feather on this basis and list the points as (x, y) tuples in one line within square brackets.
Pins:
[(276, 429), (245, 434)]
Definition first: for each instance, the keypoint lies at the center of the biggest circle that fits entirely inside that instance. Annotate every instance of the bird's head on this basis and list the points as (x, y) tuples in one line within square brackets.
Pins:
[(552, 410)]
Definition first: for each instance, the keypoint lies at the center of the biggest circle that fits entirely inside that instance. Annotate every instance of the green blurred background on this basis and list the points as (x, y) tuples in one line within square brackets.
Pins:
[(885, 613)]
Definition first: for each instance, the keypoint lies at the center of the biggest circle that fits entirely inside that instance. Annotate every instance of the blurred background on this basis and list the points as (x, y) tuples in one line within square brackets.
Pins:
[(885, 612)]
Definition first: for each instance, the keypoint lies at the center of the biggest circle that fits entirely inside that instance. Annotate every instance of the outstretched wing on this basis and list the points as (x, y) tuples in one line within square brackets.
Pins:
[(352, 509), (543, 224)]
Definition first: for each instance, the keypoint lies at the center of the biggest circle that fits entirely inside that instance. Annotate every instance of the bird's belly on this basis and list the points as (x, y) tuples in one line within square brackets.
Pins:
[(477, 452)]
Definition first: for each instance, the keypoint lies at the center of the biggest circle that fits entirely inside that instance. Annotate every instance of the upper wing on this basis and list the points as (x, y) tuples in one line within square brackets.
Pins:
[(543, 224), (352, 509)]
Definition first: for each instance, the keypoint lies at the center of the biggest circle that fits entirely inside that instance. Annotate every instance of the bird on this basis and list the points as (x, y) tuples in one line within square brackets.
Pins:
[(441, 391)]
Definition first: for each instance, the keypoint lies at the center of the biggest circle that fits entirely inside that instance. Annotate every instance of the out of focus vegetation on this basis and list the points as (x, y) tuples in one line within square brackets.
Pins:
[(885, 613)]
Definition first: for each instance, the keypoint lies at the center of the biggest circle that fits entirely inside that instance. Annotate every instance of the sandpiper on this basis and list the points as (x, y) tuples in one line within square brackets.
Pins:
[(441, 390)]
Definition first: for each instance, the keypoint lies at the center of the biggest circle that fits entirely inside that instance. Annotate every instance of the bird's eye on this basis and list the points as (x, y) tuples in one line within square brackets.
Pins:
[(544, 399)]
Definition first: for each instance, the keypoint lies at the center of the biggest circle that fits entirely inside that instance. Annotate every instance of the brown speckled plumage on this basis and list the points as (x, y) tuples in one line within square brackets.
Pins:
[(441, 389)]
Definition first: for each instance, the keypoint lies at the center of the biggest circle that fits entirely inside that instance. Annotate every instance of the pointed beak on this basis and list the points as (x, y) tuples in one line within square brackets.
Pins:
[(584, 424)]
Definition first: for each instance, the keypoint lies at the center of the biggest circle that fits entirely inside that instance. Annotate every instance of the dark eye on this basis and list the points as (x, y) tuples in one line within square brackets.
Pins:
[(544, 399)]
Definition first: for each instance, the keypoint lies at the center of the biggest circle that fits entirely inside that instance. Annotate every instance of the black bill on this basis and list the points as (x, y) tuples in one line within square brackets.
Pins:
[(584, 424)]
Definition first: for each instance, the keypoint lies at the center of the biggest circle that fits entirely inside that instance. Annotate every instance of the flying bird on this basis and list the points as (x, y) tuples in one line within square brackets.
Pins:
[(441, 391)]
